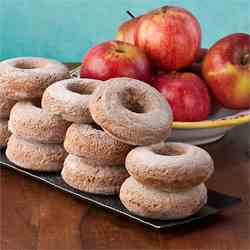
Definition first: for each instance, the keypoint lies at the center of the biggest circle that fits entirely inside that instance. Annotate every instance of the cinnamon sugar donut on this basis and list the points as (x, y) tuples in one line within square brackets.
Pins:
[(27, 77), (70, 99), (5, 107), (170, 165), (92, 143), (131, 111), (32, 123), (4, 133), (93, 179), (155, 204), (34, 155)]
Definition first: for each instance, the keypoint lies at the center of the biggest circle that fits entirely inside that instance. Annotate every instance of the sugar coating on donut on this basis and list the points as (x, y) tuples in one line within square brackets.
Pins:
[(92, 143), (34, 155), (170, 165), (4, 133), (93, 179), (70, 99), (5, 107), (31, 122), (27, 77), (131, 111), (155, 204)]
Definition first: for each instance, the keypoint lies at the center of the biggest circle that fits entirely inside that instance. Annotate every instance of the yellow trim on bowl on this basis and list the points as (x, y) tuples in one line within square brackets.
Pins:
[(222, 122), (75, 70)]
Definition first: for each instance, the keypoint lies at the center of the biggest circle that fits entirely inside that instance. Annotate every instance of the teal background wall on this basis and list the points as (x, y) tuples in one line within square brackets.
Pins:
[(65, 29)]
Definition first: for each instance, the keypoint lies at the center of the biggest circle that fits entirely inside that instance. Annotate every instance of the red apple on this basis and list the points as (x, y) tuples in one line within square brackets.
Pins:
[(186, 93), (226, 69), (126, 31), (115, 59), (170, 36)]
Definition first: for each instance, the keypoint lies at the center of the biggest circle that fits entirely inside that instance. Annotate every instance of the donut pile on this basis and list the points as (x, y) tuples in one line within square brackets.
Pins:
[(96, 161), (98, 151), (98, 133), (36, 140), (167, 180)]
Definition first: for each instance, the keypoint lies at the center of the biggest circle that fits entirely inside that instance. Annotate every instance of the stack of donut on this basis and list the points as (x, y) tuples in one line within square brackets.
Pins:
[(167, 180), (125, 112), (36, 140), (104, 126), (96, 161)]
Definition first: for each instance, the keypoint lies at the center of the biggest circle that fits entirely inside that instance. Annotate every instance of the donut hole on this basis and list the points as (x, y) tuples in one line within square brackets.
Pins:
[(81, 89), (134, 101), (37, 103), (168, 150), (29, 64), (96, 127)]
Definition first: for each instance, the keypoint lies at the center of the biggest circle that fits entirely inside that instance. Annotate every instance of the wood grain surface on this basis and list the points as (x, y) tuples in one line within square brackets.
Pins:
[(36, 216)]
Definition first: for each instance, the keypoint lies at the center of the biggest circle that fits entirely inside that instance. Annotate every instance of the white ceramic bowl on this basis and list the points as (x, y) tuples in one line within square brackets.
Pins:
[(203, 132), (217, 125)]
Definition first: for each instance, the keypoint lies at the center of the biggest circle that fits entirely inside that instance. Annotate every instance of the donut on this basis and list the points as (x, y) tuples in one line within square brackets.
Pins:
[(5, 107), (131, 111), (34, 155), (27, 77), (91, 142), (70, 99), (4, 133), (93, 179), (32, 123), (157, 204), (170, 166)]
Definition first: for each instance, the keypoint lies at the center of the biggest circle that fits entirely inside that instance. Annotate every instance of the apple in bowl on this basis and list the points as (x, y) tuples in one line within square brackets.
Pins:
[(126, 31), (115, 59), (226, 69), (186, 93), (170, 36)]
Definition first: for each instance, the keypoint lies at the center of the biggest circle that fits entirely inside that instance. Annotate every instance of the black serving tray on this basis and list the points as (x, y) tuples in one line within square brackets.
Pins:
[(216, 201)]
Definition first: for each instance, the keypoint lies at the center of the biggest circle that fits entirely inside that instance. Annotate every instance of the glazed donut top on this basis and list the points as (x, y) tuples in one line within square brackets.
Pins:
[(19, 76), (70, 99), (130, 106), (31, 65), (170, 165), (69, 89)]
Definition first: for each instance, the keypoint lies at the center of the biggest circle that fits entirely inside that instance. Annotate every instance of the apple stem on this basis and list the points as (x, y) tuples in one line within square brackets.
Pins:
[(130, 14)]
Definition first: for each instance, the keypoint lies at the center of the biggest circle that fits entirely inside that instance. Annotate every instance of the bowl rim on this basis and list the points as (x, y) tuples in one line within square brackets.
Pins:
[(227, 121)]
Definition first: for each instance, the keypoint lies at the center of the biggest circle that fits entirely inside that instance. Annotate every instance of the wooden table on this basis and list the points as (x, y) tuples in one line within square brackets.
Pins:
[(35, 216)]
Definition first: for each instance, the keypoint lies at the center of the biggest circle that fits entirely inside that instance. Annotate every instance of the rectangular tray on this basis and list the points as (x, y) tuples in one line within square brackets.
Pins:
[(216, 200)]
